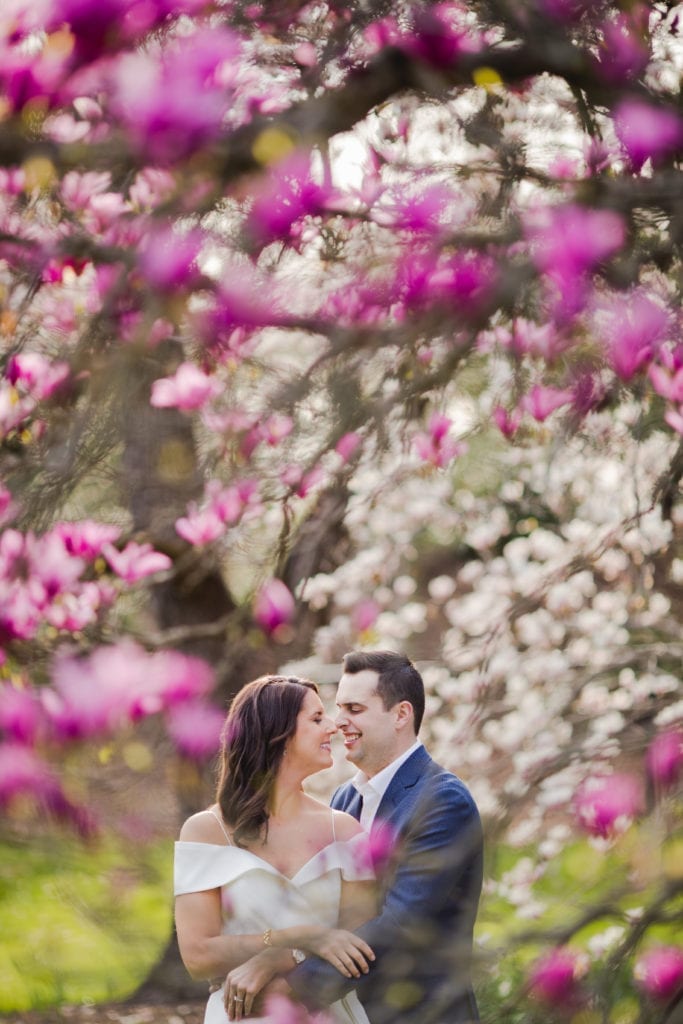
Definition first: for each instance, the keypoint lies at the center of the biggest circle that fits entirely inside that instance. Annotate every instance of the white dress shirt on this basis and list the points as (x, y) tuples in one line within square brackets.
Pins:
[(372, 790)]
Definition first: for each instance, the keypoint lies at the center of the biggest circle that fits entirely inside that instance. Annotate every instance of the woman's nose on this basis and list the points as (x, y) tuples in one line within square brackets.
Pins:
[(331, 726)]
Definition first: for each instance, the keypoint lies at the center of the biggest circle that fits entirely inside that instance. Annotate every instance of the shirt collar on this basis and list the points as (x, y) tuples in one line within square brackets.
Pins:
[(379, 783)]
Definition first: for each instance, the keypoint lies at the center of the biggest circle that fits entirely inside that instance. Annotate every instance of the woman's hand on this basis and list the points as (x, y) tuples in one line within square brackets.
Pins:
[(346, 951), (243, 984)]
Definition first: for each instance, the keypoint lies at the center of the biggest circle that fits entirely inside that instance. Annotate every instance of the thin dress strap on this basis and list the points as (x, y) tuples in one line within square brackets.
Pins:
[(223, 828), (334, 829)]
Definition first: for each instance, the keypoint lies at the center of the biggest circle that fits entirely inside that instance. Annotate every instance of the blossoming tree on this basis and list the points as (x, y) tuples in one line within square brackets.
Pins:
[(325, 324)]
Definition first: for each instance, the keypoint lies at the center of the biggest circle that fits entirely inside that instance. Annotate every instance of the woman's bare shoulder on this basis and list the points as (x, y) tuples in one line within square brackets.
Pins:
[(346, 826), (203, 828)]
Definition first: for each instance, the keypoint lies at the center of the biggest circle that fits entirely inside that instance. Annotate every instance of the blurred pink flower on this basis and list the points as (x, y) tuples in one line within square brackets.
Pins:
[(646, 131), (507, 421), (573, 239), (86, 538), (195, 728), (22, 773), (436, 445), (624, 52), (631, 326), (152, 186), (667, 384), (441, 33), (35, 374), (299, 482), (21, 714), (554, 978), (168, 258), (374, 850), (605, 805), (364, 615), (174, 104), (189, 388), (659, 972), (274, 605), (664, 759), (347, 446), (200, 526), (541, 401), (421, 211), (77, 189), (117, 684), (135, 561), (288, 192)]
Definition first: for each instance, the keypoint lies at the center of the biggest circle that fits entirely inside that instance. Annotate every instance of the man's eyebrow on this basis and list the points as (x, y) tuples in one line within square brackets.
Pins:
[(348, 703)]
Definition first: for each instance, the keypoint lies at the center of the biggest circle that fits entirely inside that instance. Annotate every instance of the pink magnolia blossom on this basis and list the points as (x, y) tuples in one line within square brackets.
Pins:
[(365, 615), (347, 446), (21, 714), (507, 421), (86, 538), (135, 561), (152, 187), (441, 33), (541, 401), (189, 388), (606, 804), (77, 189), (174, 105), (168, 258), (624, 54), (423, 210), (659, 972), (668, 384), (22, 773), (436, 445), (573, 239), (36, 375), (647, 132), (632, 326), (79, 608), (375, 850), (299, 482), (554, 978), (118, 684), (195, 729), (200, 526), (664, 759), (289, 192), (274, 606)]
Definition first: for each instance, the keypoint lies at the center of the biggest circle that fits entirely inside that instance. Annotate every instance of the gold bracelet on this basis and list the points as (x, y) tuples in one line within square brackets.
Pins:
[(267, 941)]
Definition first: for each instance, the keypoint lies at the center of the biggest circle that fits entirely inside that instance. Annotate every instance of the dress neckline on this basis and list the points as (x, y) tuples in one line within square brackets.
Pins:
[(267, 863)]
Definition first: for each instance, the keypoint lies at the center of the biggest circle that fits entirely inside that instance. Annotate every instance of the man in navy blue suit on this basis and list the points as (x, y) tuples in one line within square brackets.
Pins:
[(431, 881)]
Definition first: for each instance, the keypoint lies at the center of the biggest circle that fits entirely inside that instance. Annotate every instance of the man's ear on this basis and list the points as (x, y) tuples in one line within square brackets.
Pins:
[(405, 715)]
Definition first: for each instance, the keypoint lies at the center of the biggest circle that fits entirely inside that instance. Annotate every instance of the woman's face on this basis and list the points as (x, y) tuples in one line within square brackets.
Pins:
[(309, 748)]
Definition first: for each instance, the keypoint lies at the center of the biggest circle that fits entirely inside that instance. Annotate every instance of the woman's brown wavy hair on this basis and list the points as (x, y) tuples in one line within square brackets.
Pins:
[(261, 719)]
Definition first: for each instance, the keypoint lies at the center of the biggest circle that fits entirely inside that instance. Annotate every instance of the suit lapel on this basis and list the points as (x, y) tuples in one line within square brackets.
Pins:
[(407, 776)]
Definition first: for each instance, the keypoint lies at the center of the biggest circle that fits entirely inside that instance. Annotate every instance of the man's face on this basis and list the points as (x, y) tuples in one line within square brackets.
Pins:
[(369, 730)]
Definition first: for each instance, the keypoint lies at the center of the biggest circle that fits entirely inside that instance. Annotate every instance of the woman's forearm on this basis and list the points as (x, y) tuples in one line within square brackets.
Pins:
[(214, 956)]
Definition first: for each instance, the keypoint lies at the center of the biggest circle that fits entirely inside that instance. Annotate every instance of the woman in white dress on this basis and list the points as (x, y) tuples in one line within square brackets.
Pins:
[(268, 874)]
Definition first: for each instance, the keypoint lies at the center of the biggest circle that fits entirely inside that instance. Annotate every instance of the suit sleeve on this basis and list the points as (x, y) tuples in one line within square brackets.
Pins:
[(438, 865)]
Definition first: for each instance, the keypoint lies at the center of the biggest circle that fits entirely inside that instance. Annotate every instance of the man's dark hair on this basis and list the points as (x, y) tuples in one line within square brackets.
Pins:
[(398, 678)]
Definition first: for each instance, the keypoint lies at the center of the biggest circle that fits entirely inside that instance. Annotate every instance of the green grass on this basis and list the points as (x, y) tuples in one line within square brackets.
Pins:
[(80, 924)]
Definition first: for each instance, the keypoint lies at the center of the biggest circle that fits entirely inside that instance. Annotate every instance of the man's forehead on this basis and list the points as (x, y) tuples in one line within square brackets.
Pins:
[(357, 687)]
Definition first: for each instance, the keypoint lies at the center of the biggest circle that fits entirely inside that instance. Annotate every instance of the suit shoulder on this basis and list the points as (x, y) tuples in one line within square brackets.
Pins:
[(446, 786)]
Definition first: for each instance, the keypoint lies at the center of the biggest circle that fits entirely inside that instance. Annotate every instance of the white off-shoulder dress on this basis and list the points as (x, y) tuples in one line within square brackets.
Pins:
[(256, 896)]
